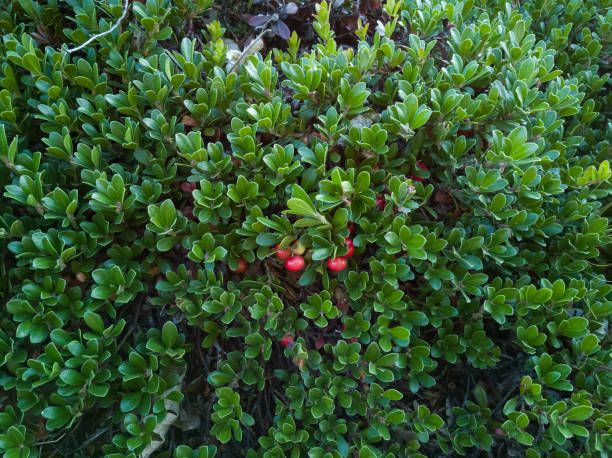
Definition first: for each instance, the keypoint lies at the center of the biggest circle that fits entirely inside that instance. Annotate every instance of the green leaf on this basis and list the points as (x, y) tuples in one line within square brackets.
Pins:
[(301, 203), (417, 317), (372, 352), (579, 413), (522, 420), (218, 378), (574, 327), (471, 244), (524, 438), (57, 416), (362, 182), (400, 333), (103, 292), (94, 321), (72, 377), (169, 334), (167, 243), (433, 422), (99, 391), (589, 344), (396, 416), (578, 430), (130, 401), (300, 207), (393, 395)]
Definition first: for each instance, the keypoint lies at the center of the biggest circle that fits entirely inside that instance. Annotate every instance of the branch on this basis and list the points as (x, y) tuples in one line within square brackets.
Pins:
[(100, 35), (246, 51)]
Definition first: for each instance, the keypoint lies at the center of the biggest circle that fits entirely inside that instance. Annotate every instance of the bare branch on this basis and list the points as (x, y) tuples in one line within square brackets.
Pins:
[(247, 50), (100, 35)]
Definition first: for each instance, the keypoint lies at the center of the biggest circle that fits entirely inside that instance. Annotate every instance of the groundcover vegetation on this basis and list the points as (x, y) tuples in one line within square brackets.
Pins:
[(343, 229)]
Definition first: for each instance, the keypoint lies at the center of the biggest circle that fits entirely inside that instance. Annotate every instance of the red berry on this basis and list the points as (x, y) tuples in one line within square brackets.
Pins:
[(351, 248), (294, 263), (336, 264), (281, 254), (287, 338), (351, 227), (380, 203), (420, 165), (186, 186), (286, 341), (242, 265), (344, 327)]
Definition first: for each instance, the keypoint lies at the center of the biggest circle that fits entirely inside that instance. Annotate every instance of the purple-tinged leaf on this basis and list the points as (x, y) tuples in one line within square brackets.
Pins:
[(291, 8), (257, 21), (283, 30)]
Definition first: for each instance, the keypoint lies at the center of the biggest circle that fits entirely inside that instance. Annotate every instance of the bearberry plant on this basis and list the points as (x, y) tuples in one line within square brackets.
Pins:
[(327, 229)]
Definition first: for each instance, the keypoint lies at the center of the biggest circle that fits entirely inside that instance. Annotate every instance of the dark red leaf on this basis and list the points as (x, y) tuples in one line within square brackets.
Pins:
[(349, 22), (189, 121), (442, 197)]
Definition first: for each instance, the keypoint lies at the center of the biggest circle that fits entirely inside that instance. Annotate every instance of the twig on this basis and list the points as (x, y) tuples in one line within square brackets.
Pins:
[(467, 390), (252, 43), (100, 35), (126, 335), (89, 440), (501, 404), (51, 441)]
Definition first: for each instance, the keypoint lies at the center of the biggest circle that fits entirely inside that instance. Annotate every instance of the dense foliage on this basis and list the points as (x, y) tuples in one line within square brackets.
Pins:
[(176, 205)]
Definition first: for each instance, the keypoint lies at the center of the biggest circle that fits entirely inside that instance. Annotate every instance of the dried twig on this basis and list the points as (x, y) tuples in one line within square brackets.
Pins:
[(252, 43), (50, 441), (89, 440), (509, 393), (126, 5)]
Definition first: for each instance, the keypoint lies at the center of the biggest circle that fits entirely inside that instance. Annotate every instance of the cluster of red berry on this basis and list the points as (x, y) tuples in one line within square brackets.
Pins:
[(294, 261)]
